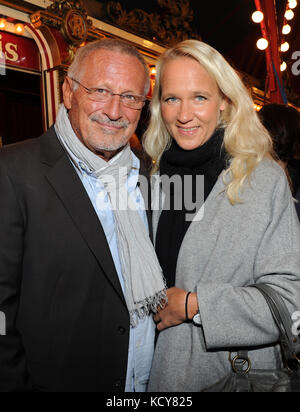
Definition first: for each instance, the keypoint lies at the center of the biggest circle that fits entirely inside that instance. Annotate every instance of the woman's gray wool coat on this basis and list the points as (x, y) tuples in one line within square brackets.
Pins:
[(231, 248)]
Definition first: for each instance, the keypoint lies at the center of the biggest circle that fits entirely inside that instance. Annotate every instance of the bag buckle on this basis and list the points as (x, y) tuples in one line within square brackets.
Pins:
[(241, 364)]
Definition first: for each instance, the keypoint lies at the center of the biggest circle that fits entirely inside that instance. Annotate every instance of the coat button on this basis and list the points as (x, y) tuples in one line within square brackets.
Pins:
[(118, 385), (121, 330)]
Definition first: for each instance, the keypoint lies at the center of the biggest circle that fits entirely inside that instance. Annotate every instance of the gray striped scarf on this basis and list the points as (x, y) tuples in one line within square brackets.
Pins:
[(145, 288)]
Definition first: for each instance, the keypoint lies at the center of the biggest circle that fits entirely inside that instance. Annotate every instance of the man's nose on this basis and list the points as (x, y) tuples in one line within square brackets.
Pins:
[(185, 112), (113, 108)]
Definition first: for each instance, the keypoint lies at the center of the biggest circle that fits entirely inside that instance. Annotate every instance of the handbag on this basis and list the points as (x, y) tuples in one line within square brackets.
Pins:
[(245, 379)]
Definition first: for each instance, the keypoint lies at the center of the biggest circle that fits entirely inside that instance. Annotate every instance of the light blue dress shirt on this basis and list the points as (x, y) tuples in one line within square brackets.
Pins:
[(141, 342)]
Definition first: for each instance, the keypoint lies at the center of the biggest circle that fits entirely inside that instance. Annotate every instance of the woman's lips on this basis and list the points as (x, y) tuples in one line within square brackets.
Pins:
[(188, 130)]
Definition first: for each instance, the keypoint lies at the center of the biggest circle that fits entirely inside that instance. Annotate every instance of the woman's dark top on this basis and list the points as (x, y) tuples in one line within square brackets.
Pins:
[(209, 161)]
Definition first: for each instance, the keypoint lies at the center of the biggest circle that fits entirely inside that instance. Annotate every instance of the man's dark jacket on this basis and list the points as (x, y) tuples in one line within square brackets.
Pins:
[(67, 321)]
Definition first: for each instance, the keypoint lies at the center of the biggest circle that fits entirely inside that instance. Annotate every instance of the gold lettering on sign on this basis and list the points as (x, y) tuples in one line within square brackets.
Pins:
[(10, 51)]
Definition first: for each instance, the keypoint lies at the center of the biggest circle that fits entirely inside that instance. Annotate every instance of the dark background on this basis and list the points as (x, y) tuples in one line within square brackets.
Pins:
[(225, 25), (20, 107)]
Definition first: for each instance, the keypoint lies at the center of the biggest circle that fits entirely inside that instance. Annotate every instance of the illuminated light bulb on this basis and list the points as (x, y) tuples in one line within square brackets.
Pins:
[(283, 67), (289, 15), (262, 44), (258, 17), (285, 47), (2, 23), (19, 28), (153, 71), (293, 4), (256, 107), (286, 29)]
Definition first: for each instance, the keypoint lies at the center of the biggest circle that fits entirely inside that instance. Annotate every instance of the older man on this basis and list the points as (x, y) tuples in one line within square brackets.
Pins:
[(78, 274)]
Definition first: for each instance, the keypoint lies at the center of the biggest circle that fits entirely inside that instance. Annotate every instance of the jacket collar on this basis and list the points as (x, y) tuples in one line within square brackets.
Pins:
[(64, 180), (52, 151)]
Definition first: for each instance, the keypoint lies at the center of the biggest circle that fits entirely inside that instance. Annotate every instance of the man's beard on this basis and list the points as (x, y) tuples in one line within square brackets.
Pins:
[(109, 146)]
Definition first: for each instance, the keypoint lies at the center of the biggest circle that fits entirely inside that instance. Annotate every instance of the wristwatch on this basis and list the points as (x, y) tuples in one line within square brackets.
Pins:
[(197, 320)]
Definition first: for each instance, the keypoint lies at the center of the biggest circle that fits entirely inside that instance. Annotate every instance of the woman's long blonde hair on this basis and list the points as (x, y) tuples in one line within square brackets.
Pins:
[(246, 140)]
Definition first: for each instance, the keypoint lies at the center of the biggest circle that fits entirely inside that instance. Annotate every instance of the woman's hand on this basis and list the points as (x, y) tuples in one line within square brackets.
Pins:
[(174, 313)]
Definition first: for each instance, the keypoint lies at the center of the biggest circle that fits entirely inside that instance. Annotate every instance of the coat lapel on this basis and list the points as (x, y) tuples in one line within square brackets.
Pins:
[(145, 188), (63, 178)]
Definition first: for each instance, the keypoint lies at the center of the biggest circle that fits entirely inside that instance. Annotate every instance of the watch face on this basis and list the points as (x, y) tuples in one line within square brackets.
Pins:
[(197, 320)]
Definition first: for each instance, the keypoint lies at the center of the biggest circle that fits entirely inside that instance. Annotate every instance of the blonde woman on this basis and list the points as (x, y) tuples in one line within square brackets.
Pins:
[(244, 230)]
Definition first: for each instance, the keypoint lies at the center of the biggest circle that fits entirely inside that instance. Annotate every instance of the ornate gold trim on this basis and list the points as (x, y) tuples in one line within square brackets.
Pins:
[(171, 26), (42, 17), (75, 27), (70, 17)]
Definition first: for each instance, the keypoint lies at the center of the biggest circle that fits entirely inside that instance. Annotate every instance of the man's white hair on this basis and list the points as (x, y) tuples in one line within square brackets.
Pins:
[(77, 67)]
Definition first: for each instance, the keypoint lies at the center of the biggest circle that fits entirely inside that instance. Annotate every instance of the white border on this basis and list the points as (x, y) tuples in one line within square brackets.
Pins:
[(41, 3), (16, 14), (128, 36)]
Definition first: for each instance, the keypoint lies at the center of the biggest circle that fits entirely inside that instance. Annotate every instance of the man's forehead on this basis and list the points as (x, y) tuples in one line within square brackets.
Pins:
[(102, 64), (106, 57)]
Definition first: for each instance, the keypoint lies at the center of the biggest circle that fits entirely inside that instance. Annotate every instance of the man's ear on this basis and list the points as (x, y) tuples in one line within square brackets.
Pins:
[(67, 93)]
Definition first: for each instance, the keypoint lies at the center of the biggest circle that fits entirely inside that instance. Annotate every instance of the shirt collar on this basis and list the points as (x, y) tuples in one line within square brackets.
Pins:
[(82, 167)]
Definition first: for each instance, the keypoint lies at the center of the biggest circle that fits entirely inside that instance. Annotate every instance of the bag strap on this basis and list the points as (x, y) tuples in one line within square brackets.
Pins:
[(290, 343)]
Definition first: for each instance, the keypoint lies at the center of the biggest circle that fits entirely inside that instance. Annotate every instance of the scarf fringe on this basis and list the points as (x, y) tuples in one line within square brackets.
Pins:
[(141, 270), (147, 306)]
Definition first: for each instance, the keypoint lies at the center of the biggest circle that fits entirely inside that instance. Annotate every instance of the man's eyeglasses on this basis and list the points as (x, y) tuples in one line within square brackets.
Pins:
[(104, 95)]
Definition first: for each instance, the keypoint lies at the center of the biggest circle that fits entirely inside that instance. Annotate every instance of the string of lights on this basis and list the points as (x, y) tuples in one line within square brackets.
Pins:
[(263, 43), (259, 18), (287, 30), (275, 43), (17, 28), (266, 43)]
